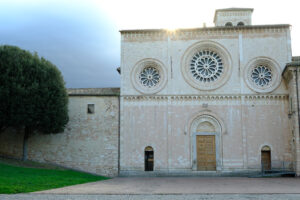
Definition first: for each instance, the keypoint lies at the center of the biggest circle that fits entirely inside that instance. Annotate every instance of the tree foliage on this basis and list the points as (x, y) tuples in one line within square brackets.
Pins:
[(32, 92)]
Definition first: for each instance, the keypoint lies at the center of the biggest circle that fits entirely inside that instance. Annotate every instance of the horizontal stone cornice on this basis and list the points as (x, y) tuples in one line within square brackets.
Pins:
[(162, 34), (228, 28), (207, 97)]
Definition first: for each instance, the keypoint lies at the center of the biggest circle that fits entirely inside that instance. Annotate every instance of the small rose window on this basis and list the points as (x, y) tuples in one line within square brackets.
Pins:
[(261, 75), (149, 77)]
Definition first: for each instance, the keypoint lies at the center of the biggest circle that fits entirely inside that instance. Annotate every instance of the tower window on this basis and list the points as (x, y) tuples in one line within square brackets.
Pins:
[(228, 24), (241, 24)]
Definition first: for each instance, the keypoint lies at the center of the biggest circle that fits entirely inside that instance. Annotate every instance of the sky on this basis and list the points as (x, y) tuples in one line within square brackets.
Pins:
[(81, 37)]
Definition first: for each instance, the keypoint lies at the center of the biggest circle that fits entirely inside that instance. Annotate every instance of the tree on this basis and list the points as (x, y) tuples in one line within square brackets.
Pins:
[(33, 96)]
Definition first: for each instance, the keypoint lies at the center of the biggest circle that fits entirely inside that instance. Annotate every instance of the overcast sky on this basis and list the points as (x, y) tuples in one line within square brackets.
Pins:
[(81, 37)]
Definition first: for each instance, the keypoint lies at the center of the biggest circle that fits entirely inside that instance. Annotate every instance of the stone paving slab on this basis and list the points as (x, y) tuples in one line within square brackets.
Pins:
[(184, 185), (153, 197)]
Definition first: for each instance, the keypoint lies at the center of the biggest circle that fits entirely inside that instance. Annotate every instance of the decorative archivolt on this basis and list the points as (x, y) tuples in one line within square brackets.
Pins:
[(207, 118), (205, 123)]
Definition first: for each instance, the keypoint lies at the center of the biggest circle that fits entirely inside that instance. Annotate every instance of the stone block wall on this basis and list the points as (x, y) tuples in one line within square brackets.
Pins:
[(11, 143), (89, 142)]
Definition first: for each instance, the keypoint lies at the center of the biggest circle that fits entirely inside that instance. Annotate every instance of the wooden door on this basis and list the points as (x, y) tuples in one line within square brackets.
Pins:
[(266, 160), (206, 153)]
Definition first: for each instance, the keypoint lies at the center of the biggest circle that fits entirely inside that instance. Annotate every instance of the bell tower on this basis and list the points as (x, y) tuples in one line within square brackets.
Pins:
[(233, 17)]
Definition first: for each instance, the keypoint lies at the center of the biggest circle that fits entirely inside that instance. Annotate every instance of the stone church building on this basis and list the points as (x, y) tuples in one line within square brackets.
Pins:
[(211, 100)]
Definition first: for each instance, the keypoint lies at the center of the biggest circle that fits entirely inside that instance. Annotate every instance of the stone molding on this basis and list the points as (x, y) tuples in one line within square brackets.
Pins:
[(163, 34), (207, 97), (207, 114), (93, 91), (204, 101)]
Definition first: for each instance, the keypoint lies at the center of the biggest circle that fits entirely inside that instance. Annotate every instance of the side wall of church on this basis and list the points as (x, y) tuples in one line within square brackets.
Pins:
[(89, 142), (291, 76)]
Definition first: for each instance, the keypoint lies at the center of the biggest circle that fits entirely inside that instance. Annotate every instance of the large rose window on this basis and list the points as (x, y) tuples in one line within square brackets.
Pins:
[(206, 66)]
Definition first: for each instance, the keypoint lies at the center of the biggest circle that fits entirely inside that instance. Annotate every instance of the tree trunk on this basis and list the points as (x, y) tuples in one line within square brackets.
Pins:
[(25, 143)]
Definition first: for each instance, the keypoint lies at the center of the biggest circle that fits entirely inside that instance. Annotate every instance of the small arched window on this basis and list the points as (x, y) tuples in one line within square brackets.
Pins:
[(228, 24), (149, 158), (241, 24)]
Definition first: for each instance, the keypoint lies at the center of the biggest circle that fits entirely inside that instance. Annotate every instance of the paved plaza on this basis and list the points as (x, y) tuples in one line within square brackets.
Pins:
[(184, 185), (154, 197), (175, 188)]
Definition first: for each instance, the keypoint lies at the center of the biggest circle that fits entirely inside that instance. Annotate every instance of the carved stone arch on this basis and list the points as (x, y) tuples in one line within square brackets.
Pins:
[(266, 148), (218, 121), (205, 123)]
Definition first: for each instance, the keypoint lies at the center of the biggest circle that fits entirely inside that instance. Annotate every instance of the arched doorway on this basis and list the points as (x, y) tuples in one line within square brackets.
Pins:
[(266, 158), (206, 143), (149, 159), (206, 147)]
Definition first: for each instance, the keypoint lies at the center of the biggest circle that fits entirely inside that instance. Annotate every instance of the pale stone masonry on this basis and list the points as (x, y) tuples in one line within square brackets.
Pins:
[(291, 74), (89, 142), (218, 84)]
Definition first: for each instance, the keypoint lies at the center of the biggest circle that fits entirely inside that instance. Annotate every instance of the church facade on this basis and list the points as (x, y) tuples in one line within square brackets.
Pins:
[(207, 99), (202, 101)]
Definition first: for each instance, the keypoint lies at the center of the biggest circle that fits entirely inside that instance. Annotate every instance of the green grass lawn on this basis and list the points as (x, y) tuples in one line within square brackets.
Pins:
[(16, 177)]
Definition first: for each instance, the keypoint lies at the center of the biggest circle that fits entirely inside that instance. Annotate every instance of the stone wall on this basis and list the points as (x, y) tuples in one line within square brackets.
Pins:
[(11, 143), (292, 80), (247, 124), (89, 142)]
